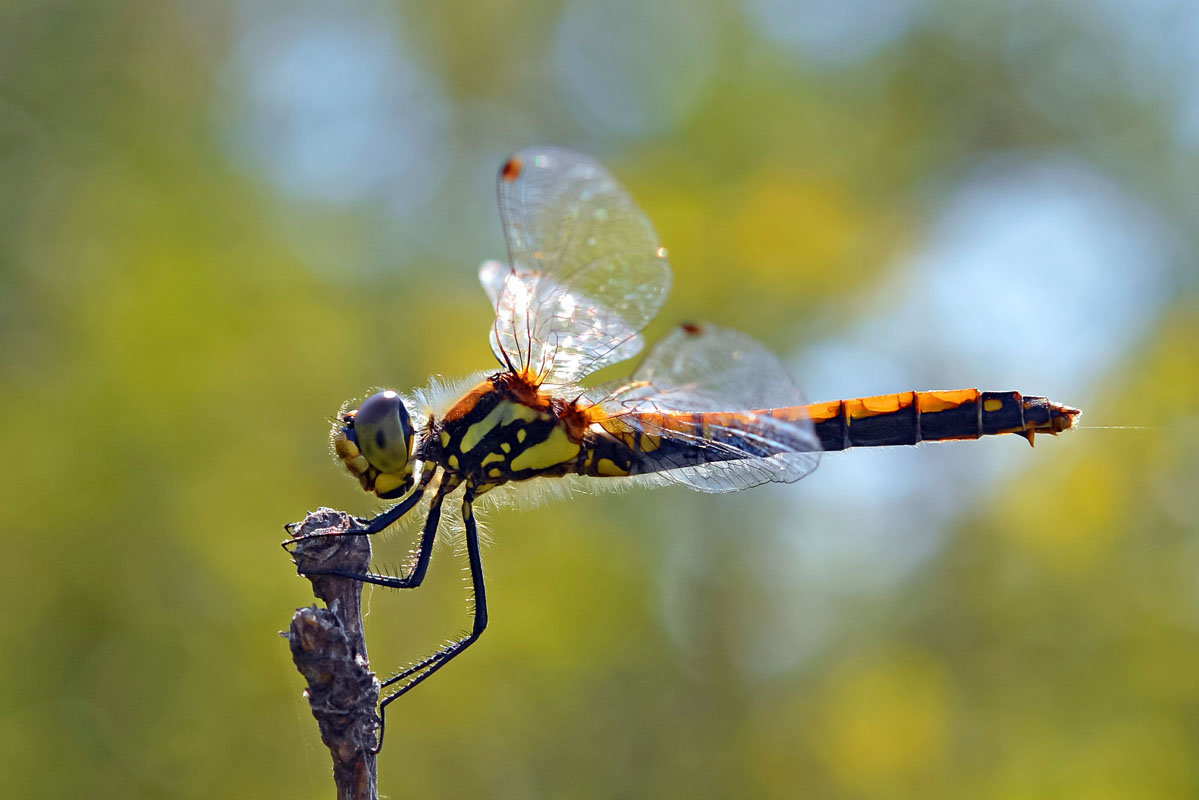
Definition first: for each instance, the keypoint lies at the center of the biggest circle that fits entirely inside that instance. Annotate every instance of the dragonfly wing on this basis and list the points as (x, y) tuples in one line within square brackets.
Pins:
[(706, 396), (492, 275), (585, 269)]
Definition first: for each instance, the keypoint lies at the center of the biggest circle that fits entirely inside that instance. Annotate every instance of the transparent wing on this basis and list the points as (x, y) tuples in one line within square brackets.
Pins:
[(585, 270), (721, 412), (492, 275)]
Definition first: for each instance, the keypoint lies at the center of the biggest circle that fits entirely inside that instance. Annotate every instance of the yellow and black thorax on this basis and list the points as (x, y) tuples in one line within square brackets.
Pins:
[(506, 430)]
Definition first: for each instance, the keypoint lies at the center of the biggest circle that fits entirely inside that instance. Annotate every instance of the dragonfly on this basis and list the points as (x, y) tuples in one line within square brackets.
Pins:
[(707, 407)]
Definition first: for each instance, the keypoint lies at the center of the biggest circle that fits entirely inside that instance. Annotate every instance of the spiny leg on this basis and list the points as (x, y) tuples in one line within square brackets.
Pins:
[(374, 525), (424, 552), (422, 670)]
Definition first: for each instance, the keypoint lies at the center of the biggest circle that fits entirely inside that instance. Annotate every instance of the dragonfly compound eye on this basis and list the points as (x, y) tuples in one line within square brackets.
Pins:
[(384, 432)]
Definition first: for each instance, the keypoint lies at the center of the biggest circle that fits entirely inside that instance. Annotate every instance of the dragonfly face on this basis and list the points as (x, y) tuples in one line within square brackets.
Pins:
[(707, 407)]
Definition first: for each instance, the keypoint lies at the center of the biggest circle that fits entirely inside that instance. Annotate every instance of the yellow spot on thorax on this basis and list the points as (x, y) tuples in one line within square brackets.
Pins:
[(475, 433), (499, 416), (526, 414), (556, 448)]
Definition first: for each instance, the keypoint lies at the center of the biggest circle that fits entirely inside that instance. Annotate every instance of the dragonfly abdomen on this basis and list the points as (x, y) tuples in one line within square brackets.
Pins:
[(913, 417), (652, 442)]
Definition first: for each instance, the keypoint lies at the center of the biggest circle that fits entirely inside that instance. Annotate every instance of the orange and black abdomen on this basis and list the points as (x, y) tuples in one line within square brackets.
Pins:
[(913, 417), (655, 441)]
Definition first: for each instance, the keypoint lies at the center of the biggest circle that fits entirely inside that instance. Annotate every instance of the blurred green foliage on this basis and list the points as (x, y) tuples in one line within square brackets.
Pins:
[(176, 330)]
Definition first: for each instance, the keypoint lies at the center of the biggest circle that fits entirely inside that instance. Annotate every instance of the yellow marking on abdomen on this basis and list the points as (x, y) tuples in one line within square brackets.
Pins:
[(817, 412), (991, 404), (932, 402), (716, 422), (862, 407), (649, 443), (680, 421), (490, 458), (607, 467), (556, 448)]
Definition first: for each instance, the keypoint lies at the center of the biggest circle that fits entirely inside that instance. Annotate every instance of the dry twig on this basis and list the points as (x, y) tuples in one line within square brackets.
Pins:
[(328, 648)]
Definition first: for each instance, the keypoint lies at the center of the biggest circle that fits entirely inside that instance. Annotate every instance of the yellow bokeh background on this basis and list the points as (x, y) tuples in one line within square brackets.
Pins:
[(218, 222)]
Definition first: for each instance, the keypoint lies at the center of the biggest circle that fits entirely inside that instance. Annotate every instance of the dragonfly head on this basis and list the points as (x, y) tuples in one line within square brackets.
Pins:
[(374, 441)]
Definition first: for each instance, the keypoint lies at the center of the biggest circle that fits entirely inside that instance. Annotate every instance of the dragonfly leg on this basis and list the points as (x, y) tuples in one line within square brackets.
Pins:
[(366, 527), (420, 564), (418, 672)]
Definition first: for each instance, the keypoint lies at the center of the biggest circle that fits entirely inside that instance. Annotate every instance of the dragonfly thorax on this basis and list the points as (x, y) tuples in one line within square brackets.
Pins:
[(504, 430)]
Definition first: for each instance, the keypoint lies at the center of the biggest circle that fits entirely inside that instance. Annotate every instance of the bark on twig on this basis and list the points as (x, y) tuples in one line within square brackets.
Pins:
[(329, 650)]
